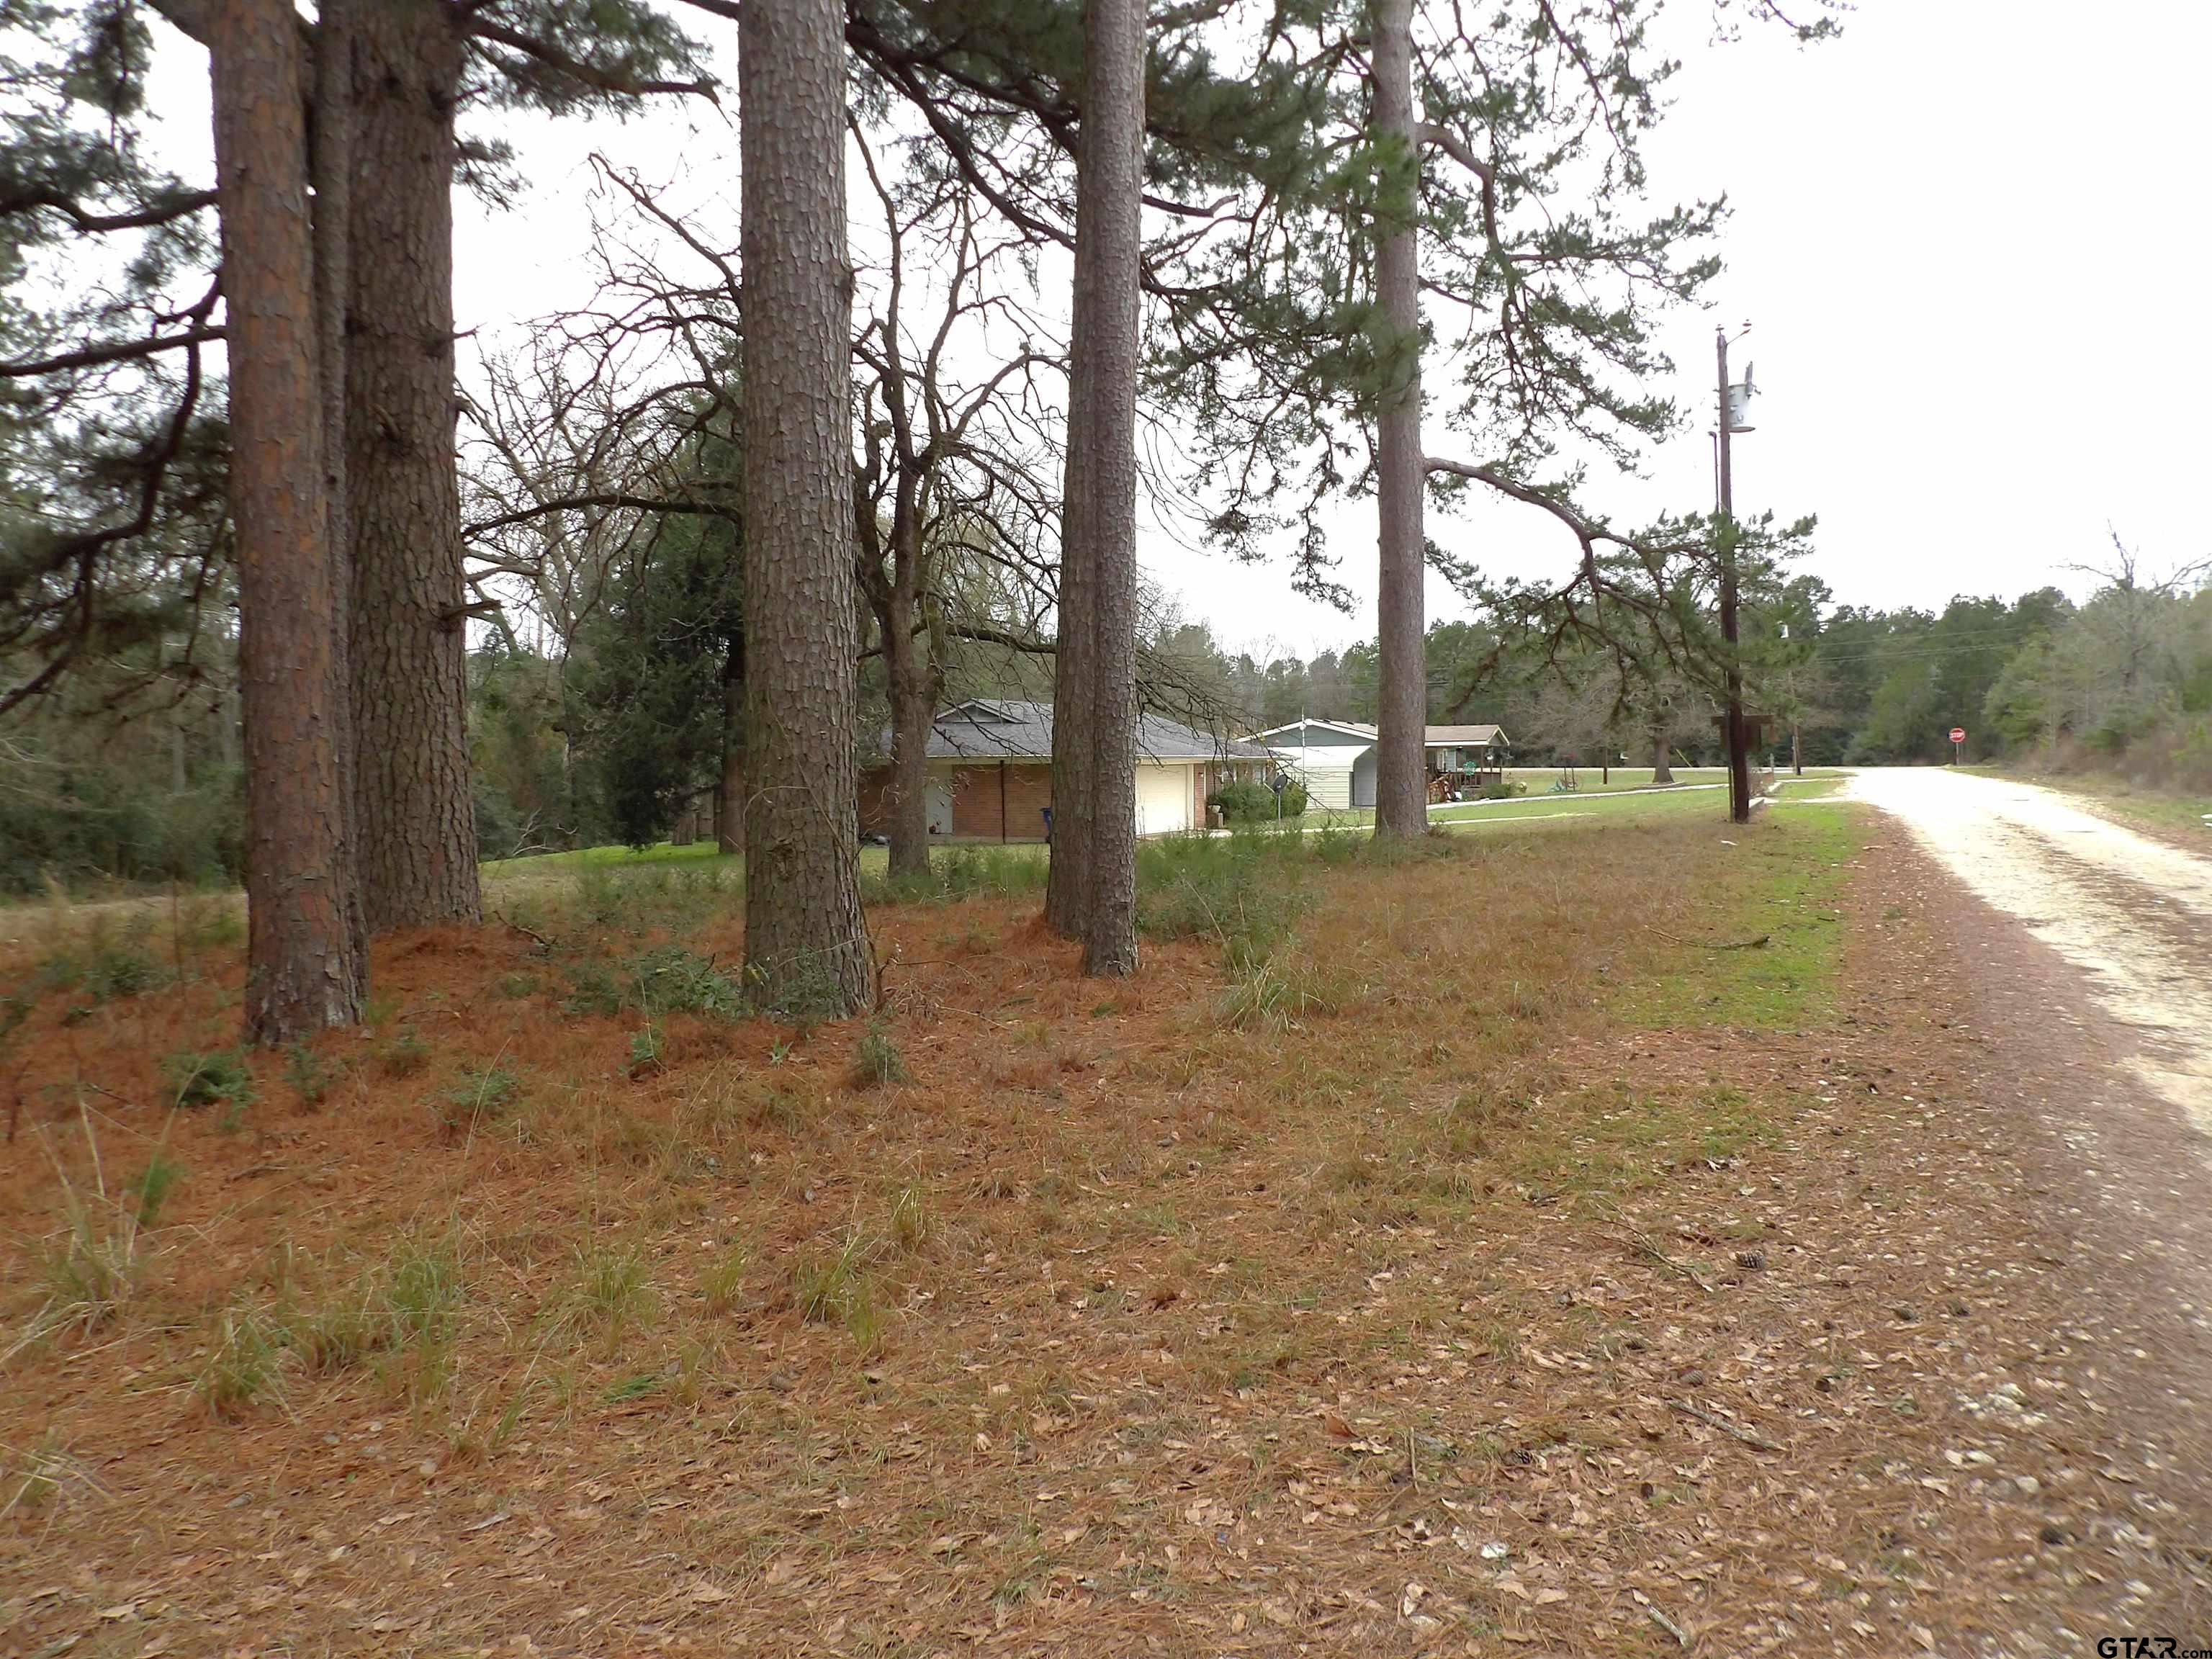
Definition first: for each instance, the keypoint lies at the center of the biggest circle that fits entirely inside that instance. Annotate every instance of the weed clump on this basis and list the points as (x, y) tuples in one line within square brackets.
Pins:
[(1241, 890), (722, 1281), (1274, 993), (611, 1291), (841, 1290), (956, 872), (403, 1053), (309, 1078), (877, 1060), (242, 1364), (216, 1079), (152, 1186), (103, 968), (92, 1274), (484, 1095)]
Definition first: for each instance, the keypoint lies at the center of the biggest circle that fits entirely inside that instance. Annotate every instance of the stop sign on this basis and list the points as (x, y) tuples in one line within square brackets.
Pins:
[(1958, 734)]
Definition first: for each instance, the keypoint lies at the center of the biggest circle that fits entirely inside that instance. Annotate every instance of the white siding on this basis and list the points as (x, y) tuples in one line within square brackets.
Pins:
[(1330, 774), (1326, 786), (1164, 799)]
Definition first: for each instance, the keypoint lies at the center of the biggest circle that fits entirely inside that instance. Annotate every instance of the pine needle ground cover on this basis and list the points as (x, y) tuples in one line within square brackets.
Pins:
[(1420, 1254)]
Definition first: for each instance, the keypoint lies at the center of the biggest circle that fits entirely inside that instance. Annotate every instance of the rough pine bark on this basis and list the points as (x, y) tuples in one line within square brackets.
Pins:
[(1662, 770), (1109, 238), (331, 172), (1068, 891), (304, 968), (1402, 693), (806, 942), (730, 787), (415, 816)]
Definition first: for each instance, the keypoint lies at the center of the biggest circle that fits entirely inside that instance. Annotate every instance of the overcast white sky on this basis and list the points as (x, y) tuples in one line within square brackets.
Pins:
[(1961, 234)]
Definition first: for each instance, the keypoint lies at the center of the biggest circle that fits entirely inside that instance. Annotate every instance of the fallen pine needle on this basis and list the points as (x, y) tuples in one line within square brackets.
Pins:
[(1682, 1636), (1759, 1441)]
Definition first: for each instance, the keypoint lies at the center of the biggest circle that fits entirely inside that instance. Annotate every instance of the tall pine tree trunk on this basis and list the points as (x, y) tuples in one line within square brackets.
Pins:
[(1110, 240), (304, 968), (730, 787), (1401, 693), (1661, 771), (416, 818), (1067, 892), (330, 168), (806, 942)]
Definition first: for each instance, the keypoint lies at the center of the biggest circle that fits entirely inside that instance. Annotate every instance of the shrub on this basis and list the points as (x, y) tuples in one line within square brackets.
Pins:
[(219, 1077), (1240, 892), (958, 872), (1243, 801), (404, 1054), (878, 1059), (645, 1052), (679, 980), (304, 1070), (483, 1095)]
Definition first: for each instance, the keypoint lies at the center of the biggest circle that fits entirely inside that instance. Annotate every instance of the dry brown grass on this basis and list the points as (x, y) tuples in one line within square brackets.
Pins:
[(1128, 1320)]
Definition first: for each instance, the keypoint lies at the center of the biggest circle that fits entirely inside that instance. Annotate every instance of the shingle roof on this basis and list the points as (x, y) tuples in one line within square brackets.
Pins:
[(1435, 737), (988, 729), (1473, 736)]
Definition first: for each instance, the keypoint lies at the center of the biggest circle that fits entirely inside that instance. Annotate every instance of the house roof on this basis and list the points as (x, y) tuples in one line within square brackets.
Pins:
[(1468, 737), (1350, 728), (1434, 737), (985, 728), (1321, 757)]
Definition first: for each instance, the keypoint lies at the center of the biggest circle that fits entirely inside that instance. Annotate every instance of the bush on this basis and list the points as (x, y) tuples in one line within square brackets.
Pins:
[(1241, 891), (877, 1060), (84, 824), (483, 1095), (209, 1079), (958, 872), (1243, 801)]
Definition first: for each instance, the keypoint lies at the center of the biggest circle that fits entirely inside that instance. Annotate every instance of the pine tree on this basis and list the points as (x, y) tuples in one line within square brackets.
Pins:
[(1108, 250), (304, 965), (807, 941)]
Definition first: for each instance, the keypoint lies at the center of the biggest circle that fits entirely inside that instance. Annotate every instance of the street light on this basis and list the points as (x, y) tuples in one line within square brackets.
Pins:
[(1735, 411)]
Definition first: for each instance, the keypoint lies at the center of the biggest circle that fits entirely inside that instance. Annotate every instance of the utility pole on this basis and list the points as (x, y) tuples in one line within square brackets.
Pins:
[(1739, 757)]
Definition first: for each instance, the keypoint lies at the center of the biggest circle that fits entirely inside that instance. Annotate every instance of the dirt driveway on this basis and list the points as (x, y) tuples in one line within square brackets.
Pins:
[(2132, 915)]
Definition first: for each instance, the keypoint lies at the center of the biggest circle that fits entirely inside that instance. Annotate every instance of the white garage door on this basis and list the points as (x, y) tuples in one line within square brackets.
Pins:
[(1162, 800)]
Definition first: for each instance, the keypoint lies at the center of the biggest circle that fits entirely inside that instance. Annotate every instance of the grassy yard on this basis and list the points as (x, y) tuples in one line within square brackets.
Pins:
[(1321, 1288), (1694, 783)]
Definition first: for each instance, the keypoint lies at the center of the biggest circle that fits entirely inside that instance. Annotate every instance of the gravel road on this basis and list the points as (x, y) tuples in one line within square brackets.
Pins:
[(2132, 915)]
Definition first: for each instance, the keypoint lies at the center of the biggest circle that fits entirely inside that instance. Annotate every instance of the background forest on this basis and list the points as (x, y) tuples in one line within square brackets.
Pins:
[(617, 737)]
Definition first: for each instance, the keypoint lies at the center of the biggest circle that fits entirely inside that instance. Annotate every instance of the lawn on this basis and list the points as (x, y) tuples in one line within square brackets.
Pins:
[(1692, 783), (1348, 1280)]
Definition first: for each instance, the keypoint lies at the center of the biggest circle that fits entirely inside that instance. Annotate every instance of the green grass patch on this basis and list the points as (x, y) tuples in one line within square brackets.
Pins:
[(1761, 945)]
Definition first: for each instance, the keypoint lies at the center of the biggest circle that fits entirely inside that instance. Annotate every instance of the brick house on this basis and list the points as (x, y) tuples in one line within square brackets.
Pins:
[(990, 773)]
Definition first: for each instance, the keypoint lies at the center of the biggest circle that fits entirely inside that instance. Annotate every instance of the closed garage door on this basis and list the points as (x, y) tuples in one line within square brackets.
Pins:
[(1162, 800)]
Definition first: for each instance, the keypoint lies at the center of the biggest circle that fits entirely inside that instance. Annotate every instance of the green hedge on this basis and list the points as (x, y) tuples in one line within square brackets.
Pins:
[(1244, 802)]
